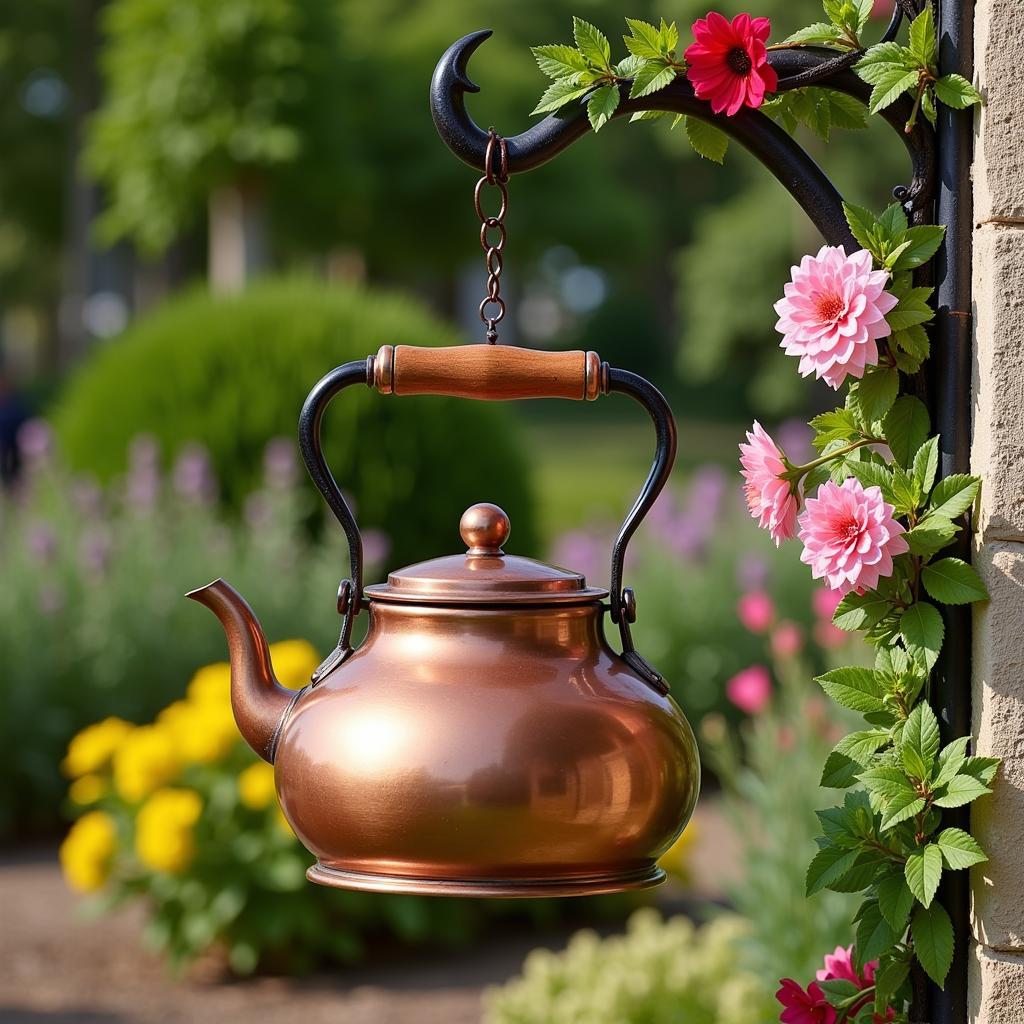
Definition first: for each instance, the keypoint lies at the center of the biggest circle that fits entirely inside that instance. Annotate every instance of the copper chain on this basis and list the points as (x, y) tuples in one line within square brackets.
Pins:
[(493, 248)]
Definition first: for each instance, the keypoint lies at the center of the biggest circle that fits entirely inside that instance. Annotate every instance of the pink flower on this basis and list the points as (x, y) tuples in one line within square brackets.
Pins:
[(829, 637), (787, 640), (839, 966), (751, 689), (756, 611), (825, 602), (771, 500), (728, 63), (802, 1007), (833, 314), (850, 537)]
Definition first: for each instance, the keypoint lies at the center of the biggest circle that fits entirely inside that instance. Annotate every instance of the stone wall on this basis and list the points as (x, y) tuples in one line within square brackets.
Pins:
[(997, 957)]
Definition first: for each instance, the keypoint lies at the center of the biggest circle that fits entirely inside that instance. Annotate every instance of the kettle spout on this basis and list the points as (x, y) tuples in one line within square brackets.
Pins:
[(258, 700)]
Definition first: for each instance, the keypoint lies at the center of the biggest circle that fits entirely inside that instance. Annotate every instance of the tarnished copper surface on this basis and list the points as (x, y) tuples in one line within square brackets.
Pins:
[(483, 747)]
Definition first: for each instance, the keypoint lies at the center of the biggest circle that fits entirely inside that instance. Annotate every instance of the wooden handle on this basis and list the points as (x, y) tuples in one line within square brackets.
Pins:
[(491, 373)]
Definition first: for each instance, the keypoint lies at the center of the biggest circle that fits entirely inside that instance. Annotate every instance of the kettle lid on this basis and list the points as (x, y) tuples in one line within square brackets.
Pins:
[(484, 574)]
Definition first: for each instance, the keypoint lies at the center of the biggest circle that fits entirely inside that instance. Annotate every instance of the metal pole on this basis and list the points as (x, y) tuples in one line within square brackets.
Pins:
[(950, 388)]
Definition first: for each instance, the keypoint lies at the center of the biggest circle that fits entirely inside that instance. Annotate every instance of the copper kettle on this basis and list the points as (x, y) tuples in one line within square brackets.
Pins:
[(484, 739)]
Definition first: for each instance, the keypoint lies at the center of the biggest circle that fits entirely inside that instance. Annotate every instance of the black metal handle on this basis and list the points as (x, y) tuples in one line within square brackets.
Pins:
[(350, 592)]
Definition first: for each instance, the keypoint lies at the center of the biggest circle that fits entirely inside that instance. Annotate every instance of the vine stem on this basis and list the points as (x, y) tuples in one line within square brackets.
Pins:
[(837, 454)]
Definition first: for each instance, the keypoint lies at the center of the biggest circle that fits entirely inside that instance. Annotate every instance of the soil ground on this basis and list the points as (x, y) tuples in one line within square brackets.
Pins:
[(56, 968)]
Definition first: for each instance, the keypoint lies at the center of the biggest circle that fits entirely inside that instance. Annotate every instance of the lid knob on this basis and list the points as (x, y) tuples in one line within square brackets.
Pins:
[(484, 528)]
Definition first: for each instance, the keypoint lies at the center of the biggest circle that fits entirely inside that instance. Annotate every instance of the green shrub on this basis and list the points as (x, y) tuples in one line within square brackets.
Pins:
[(659, 972), (232, 373)]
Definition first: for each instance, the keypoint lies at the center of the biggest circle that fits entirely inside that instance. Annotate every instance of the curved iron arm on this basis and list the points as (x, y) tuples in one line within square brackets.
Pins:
[(755, 131)]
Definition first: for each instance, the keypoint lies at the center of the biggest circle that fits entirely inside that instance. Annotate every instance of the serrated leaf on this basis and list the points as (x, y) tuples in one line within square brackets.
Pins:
[(860, 611), (559, 61), (913, 341), (839, 771), (960, 790), (906, 427), (846, 112), (871, 474), (959, 848), (923, 871), (876, 392), (884, 56), (956, 92), (923, 631), (888, 781), (933, 941), (819, 32), (862, 745), (950, 761), (953, 581), (858, 689), (895, 901), (899, 810), (828, 866), (837, 425), (647, 115), (981, 768), (930, 535), (838, 991), (890, 974), (921, 37), (913, 309), (629, 67), (874, 933), (707, 140), (926, 464), (592, 43), (919, 744), (954, 495), (651, 77), (601, 105), (893, 223), (668, 33), (924, 240), (644, 39), (862, 226), (890, 88), (558, 94)]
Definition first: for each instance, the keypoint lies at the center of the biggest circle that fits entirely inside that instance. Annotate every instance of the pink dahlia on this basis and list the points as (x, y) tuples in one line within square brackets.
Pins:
[(800, 1007), (772, 501), (728, 63), (750, 690), (850, 537), (756, 611), (833, 314)]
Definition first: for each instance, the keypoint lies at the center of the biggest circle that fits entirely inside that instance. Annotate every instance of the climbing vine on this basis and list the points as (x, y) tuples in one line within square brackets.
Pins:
[(872, 518)]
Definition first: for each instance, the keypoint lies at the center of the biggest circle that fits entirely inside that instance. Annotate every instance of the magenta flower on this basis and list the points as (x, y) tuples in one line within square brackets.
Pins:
[(800, 1007), (728, 63), (750, 690), (756, 611), (850, 537), (771, 500), (833, 314), (787, 640), (839, 966)]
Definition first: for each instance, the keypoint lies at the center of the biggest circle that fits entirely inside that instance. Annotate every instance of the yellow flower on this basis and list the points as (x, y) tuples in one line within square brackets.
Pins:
[(256, 786), (203, 731), (91, 750), (294, 662), (146, 760), (165, 829), (283, 823), (87, 790), (676, 860), (86, 853), (211, 684)]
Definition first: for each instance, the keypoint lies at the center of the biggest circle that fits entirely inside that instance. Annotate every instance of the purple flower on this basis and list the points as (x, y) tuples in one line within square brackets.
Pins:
[(94, 550), (376, 546), (257, 510), (35, 440), (584, 552), (42, 542), (143, 482), (193, 475), (751, 573), (280, 467), (794, 438), (86, 496)]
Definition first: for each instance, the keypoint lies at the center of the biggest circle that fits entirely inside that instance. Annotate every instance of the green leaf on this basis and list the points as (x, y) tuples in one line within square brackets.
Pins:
[(890, 974), (837, 425), (838, 992), (959, 848), (932, 534), (558, 94), (828, 866), (924, 240), (644, 40), (629, 67), (913, 309), (922, 629), (895, 901), (960, 790), (981, 768), (926, 464), (874, 933), (954, 495), (669, 35), (559, 61), (859, 689), (899, 810), (953, 581), (876, 392), (654, 75), (601, 105), (906, 428), (906, 492), (890, 88), (647, 115), (933, 941), (707, 140), (846, 112), (861, 611), (923, 43), (862, 226), (923, 871), (862, 745), (839, 771), (950, 761), (893, 223), (592, 43), (871, 474), (919, 744), (956, 92), (819, 32)]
